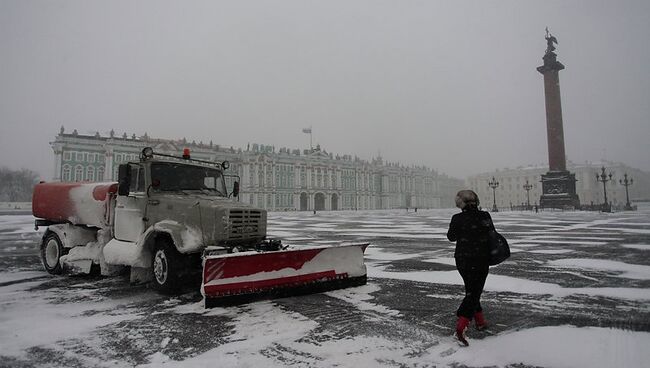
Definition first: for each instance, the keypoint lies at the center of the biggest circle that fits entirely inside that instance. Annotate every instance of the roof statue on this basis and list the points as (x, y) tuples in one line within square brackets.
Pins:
[(550, 40)]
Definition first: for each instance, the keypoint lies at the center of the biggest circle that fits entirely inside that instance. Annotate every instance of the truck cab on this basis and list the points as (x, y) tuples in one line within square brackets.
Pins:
[(166, 212), (157, 194)]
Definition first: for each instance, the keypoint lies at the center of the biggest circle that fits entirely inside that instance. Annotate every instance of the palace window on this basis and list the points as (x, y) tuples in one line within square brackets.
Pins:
[(67, 173), (90, 173), (78, 173), (252, 175), (100, 173), (67, 156), (269, 175), (260, 176)]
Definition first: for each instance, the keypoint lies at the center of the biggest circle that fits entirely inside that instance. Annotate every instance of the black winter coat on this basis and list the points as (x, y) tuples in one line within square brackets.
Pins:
[(469, 229)]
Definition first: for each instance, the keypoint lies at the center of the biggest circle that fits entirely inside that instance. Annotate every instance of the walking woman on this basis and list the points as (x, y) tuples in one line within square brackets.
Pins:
[(469, 229)]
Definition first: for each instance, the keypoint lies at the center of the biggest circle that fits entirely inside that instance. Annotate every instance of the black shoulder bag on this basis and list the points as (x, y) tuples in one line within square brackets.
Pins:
[(499, 249)]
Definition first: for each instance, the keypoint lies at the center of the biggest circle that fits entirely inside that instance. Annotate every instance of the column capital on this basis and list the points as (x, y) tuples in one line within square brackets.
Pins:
[(550, 64), (108, 150)]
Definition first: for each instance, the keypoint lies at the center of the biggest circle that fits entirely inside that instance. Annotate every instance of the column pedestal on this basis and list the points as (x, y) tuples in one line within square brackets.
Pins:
[(559, 190)]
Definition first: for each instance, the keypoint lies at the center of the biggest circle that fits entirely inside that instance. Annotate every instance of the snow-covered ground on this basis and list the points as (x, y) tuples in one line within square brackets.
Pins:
[(575, 293)]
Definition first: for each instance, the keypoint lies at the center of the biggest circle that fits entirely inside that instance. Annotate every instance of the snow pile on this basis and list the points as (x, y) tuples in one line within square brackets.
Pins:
[(28, 319), (185, 237), (91, 251), (88, 210), (192, 239), (258, 326), (558, 347), (117, 252), (264, 332)]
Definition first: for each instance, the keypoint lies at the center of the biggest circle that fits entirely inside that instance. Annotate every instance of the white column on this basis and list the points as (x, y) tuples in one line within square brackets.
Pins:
[(309, 178), (58, 159), (273, 178), (108, 164)]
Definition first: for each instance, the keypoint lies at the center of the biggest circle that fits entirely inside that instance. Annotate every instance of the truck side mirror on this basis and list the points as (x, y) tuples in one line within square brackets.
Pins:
[(235, 189), (124, 179)]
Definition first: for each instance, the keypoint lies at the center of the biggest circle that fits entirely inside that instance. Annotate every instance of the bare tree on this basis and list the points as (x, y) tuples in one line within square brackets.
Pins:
[(17, 185)]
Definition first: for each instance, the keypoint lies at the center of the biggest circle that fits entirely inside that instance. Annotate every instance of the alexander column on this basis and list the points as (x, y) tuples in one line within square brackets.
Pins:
[(558, 184)]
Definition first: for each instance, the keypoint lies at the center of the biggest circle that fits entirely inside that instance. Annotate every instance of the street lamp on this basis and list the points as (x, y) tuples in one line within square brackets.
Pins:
[(626, 183), (494, 184), (603, 178), (527, 188)]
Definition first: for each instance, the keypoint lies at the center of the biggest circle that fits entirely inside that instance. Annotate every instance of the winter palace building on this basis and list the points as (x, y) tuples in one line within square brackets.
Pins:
[(278, 180)]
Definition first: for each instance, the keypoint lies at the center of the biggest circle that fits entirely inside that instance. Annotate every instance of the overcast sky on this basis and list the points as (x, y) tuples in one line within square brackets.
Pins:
[(450, 85)]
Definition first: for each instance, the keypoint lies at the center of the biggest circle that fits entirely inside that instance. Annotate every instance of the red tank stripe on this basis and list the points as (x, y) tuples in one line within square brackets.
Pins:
[(101, 191), (51, 201)]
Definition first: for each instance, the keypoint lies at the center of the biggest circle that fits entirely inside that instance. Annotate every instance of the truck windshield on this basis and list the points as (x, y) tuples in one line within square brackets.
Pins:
[(173, 177)]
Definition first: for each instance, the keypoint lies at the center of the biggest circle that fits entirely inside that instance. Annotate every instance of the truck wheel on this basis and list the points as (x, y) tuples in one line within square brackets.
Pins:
[(166, 267), (51, 252)]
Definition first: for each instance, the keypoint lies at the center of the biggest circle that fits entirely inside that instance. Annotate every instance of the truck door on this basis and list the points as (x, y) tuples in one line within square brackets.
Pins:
[(129, 209)]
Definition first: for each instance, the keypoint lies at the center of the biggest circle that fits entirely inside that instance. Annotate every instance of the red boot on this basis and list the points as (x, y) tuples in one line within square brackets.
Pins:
[(461, 326), (479, 319)]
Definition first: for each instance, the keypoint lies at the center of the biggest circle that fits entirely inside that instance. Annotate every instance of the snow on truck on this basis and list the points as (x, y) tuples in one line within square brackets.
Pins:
[(170, 217)]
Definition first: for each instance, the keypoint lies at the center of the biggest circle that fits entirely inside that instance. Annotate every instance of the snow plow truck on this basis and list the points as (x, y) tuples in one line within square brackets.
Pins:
[(170, 217)]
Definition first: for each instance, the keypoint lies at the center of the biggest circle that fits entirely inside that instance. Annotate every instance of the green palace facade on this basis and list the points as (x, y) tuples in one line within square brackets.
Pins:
[(277, 180)]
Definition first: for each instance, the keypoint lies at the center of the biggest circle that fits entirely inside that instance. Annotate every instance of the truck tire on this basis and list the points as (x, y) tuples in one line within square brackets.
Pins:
[(166, 266), (51, 252)]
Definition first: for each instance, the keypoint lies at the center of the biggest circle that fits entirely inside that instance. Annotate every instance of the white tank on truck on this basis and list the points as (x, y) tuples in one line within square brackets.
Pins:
[(170, 217)]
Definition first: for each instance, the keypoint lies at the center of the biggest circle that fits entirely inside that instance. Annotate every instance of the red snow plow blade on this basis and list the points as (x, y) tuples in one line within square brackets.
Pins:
[(239, 277)]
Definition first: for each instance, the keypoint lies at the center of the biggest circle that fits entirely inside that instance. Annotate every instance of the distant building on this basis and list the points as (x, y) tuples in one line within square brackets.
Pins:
[(277, 180), (511, 182)]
